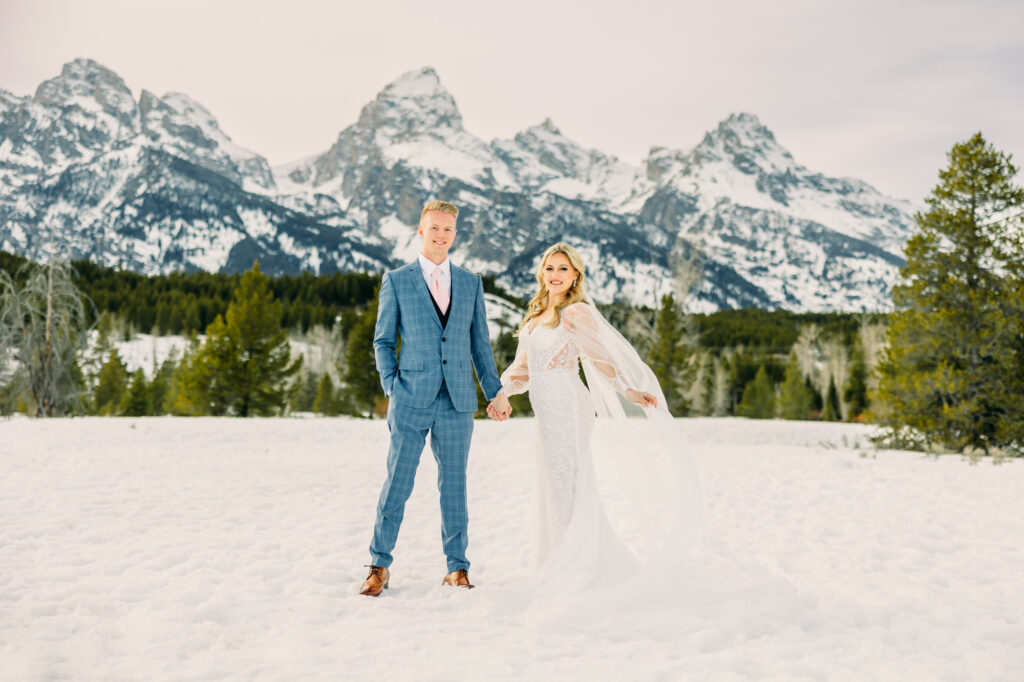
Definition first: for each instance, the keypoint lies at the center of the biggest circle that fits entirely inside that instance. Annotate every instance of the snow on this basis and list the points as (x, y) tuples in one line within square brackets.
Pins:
[(224, 549), (207, 248), (405, 239), (571, 188), (148, 352), (457, 155)]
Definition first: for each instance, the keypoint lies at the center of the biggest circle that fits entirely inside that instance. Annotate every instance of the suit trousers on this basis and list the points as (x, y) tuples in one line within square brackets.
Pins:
[(450, 434)]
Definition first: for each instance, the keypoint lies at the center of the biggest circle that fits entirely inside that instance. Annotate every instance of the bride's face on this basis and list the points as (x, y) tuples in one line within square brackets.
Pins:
[(559, 274)]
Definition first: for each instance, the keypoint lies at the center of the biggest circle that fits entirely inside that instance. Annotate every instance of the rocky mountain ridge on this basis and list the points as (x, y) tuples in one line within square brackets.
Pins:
[(154, 184)]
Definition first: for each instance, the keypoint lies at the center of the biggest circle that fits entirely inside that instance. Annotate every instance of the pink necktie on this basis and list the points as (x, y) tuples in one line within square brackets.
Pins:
[(440, 291)]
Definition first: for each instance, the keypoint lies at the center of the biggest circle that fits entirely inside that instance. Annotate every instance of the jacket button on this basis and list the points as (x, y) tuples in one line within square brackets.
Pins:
[(443, 339), (444, 362)]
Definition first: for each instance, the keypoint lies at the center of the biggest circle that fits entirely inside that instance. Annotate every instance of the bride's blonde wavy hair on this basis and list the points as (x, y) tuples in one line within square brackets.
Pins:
[(577, 292)]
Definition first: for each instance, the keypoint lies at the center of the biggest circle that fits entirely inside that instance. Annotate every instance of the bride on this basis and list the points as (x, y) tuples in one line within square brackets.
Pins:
[(562, 329), (654, 570)]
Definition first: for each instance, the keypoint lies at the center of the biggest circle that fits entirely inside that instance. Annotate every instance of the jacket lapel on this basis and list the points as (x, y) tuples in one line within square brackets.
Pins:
[(462, 294), (420, 285)]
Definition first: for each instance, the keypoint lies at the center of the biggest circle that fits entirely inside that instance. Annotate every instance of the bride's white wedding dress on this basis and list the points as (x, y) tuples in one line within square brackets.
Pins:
[(571, 535), (656, 575)]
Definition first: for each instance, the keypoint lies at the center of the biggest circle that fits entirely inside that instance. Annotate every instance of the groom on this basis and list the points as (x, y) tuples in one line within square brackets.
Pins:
[(438, 311)]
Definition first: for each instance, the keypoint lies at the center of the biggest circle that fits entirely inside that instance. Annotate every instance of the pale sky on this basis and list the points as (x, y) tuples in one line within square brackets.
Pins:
[(876, 90)]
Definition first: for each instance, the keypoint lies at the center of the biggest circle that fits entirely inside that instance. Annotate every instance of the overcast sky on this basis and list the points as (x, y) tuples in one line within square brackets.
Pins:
[(874, 90)]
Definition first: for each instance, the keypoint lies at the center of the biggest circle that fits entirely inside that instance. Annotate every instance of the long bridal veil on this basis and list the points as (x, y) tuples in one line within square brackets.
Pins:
[(665, 578), (639, 449)]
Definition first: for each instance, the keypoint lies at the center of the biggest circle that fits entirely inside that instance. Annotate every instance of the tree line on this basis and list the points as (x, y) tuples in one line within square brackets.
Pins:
[(183, 303), (344, 379)]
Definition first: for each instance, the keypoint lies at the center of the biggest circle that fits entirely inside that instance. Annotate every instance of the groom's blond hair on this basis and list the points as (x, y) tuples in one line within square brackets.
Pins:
[(442, 206)]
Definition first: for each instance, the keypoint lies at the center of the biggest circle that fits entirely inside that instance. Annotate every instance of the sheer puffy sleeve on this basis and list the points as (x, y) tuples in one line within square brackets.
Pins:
[(516, 377), (611, 364), (581, 321)]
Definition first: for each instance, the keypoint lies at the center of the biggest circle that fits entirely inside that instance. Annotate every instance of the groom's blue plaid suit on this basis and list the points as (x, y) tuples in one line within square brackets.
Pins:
[(431, 388)]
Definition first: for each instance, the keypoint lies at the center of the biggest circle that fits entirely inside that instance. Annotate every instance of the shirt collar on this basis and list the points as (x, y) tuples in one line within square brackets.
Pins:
[(428, 266)]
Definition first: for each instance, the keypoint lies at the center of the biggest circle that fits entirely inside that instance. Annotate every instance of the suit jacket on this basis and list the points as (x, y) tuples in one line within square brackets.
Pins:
[(432, 353)]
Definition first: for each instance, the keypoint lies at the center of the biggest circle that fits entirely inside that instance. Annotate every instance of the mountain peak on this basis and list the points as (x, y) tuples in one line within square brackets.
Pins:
[(746, 142), (415, 102), (549, 126), (85, 69), (83, 78), (745, 124), (87, 108), (414, 84)]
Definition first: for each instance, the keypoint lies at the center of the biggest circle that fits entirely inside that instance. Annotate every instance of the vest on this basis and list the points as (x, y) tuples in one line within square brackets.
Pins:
[(443, 317)]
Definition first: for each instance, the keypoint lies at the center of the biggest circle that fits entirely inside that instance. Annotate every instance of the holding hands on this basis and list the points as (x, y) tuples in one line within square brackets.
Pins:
[(499, 409)]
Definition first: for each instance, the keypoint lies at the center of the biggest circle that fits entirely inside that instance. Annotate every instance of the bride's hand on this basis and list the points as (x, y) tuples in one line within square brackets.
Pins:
[(642, 398)]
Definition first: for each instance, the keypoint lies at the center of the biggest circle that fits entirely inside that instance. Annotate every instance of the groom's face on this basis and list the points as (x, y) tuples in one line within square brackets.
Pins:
[(438, 232)]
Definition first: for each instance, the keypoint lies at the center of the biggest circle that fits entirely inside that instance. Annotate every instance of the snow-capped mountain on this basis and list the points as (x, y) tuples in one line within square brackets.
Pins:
[(789, 232), (155, 185)]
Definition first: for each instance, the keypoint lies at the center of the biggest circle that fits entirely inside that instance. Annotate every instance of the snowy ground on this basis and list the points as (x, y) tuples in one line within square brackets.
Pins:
[(228, 549)]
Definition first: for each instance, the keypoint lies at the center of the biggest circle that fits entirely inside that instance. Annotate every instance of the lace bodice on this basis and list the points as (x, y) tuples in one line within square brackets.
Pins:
[(544, 349)]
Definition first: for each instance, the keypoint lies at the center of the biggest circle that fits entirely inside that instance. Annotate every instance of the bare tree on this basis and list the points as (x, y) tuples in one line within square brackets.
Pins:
[(872, 337), (808, 354), (837, 368), (687, 264), (43, 329)]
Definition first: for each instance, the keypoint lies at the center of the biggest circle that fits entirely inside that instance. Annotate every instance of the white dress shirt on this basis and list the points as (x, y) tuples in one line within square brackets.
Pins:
[(427, 266)]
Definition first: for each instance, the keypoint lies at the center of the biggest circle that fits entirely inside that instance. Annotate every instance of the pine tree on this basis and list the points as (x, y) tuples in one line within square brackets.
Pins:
[(794, 398), (305, 393), (758, 400), (138, 400), (100, 351), (161, 384), (176, 318), (360, 370), (163, 320), (669, 356), (326, 401), (832, 412), (190, 321), (185, 393), (952, 371), (111, 385), (244, 366), (856, 390)]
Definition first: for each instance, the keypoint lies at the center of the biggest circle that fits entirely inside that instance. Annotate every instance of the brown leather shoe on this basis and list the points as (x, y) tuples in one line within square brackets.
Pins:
[(376, 581), (458, 578)]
